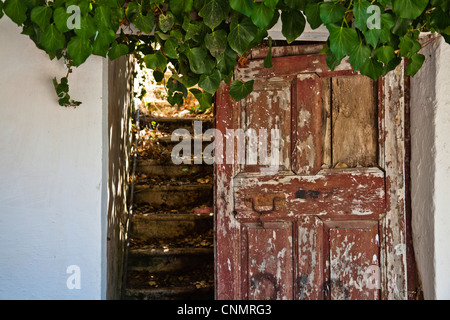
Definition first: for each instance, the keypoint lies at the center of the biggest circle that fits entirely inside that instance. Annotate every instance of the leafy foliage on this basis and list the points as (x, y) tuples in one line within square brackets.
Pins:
[(203, 40)]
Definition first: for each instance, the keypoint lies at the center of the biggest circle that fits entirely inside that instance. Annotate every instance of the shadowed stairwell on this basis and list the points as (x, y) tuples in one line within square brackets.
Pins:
[(171, 243)]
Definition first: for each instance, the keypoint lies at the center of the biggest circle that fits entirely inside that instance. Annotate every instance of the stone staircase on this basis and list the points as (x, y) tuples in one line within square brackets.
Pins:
[(171, 243)]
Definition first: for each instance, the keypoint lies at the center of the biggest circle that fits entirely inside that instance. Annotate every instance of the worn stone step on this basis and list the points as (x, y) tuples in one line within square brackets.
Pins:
[(169, 124), (171, 293), (174, 260), (153, 168), (169, 226), (185, 149), (194, 284), (174, 196)]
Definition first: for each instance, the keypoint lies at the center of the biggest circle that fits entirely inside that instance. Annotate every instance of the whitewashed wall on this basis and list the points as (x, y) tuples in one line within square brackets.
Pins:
[(430, 170), (53, 174)]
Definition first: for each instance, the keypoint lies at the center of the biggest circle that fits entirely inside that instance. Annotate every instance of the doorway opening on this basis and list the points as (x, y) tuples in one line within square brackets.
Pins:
[(171, 238)]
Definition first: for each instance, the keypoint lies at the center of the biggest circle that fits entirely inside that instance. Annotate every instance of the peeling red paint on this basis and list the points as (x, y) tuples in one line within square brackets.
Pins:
[(306, 232)]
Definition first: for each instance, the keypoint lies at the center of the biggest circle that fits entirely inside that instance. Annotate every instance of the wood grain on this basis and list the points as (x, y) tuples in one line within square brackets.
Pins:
[(354, 122)]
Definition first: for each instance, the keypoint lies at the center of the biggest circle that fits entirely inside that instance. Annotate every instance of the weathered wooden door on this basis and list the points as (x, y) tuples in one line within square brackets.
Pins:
[(326, 219)]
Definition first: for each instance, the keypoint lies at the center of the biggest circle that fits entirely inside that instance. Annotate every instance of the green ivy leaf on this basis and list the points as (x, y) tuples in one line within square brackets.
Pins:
[(117, 50), (214, 12), (102, 16), (361, 15), (385, 54), (409, 9), (372, 68), (240, 90), (199, 61), (216, 43), (331, 12), (296, 4), (415, 63), (62, 90), (132, 10), (16, 10), (103, 40), (175, 85), (170, 48), (79, 49), (241, 34), (261, 15), (359, 55), (166, 21), (440, 20), (60, 17), (444, 4), (53, 39), (342, 40), (87, 27), (268, 60), (144, 22), (176, 99), (156, 61), (332, 61), (408, 46), (204, 98), (228, 61), (193, 30), (293, 24), (312, 13), (210, 83), (158, 76), (271, 3), (180, 6), (243, 6), (387, 23), (41, 16)]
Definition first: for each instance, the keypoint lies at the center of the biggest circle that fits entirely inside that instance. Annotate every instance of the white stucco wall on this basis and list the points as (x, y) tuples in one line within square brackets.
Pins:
[(53, 174), (430, 170)]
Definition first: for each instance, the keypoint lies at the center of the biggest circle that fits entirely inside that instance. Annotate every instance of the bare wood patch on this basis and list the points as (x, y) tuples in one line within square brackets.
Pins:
[(354, 122)]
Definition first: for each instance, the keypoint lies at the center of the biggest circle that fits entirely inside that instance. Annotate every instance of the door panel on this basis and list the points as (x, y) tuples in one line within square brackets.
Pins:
[(267, 108), (306, 124), (268, 261), (354, 122), (353, 254), (318, 225)]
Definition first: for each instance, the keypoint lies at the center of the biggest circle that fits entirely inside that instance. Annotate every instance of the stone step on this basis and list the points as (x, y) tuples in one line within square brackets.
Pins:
[(189, 285), (188, 148), (154, 168), (174, 196), (146, 227), (171, 293), (173, 260), (169, 125)]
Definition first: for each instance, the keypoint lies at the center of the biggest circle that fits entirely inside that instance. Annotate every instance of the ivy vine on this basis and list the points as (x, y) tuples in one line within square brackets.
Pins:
[(203, 40)]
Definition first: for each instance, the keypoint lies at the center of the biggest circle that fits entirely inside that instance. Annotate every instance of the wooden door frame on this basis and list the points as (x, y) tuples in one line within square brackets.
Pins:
[(392, 97)]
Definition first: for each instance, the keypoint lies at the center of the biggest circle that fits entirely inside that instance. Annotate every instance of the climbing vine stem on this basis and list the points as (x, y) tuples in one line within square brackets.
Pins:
[(204, 39)]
